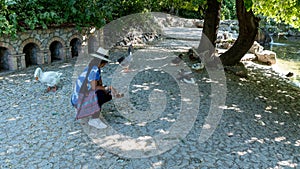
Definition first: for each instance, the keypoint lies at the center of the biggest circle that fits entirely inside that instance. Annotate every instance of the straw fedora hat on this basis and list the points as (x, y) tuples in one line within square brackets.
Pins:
[(101, 53)]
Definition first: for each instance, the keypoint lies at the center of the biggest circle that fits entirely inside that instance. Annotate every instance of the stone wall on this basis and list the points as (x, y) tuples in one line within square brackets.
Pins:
[(37, 47)]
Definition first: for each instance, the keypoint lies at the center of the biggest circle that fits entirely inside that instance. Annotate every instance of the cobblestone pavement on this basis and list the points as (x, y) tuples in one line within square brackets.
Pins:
[(260, 126)]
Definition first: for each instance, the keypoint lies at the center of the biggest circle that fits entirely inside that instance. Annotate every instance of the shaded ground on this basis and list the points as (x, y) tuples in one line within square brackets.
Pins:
[(259, 128)]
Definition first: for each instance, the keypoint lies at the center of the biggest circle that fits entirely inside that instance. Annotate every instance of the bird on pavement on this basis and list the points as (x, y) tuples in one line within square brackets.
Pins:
[(125, 61), (50, 78)]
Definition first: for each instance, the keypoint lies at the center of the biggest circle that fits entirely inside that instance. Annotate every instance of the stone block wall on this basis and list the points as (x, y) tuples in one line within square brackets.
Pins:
[(37, 47)]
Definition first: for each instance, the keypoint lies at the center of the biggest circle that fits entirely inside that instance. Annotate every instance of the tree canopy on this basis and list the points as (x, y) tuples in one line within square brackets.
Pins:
[(286, 11), (19, 15)]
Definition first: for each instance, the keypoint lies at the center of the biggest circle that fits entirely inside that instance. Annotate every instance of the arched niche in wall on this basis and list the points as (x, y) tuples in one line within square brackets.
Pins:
[(56, 47), (56, 50), (31, 51), (4, 59), (31, 47)]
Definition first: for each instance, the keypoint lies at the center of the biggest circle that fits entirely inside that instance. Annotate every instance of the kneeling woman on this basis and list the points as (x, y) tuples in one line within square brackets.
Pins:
[(89, 89)]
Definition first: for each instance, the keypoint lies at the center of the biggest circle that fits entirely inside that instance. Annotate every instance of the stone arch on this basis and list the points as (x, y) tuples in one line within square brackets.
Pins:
[(6, 51), (31, 47), (31, 51), (78, 36), (75, 42), (4, 59), (9, 47), (56, 48), (31, 40)]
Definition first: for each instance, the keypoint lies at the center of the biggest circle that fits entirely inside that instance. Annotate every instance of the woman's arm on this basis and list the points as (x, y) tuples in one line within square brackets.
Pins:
[(95, 86)]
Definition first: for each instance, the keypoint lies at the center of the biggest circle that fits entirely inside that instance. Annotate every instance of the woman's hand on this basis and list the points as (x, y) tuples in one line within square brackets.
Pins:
[(95, 86), (108, 88)]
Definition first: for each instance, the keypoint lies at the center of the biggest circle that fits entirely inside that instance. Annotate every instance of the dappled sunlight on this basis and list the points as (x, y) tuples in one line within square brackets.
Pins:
[(75, 132), (242, 153), (127, 145), (142, 124), (279, 139), (162, 131), (65, 66), (144, 87), (280, 123), (18, 75), (297, 143), (255, 139), (282, 91), (168, 119), (158, 58), (265, 142), (287, 163), (258, 119), (158, 164), (232, 107), (13, 118), (253, 128), (209, 80), (129, 124)]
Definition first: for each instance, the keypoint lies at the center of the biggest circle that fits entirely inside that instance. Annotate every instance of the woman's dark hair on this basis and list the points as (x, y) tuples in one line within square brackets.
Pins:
[(94, 62)]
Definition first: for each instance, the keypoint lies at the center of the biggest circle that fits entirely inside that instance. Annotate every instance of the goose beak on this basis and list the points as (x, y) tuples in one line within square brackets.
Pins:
[(36, 78)]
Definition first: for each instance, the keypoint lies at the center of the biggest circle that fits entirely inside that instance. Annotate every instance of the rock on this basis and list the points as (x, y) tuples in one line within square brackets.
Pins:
[(248, 57), (256, 47), (199, 24), (266, 56)]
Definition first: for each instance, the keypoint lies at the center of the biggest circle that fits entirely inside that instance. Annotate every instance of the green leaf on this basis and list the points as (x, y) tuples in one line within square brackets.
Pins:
[(248, 4)]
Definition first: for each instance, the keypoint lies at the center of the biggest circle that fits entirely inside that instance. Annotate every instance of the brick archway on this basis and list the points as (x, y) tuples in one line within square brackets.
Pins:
[(56, 48), (6, 56), (75, 44), (55, 39), (9, 47), (78, 36), (30, 40), (31, 47)]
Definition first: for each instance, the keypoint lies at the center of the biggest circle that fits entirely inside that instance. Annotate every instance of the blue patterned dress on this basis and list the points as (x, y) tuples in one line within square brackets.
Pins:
[(95, 74)]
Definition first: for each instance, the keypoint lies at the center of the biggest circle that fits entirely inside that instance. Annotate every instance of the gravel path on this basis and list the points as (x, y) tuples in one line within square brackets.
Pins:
[(259, 128), (159, 121)]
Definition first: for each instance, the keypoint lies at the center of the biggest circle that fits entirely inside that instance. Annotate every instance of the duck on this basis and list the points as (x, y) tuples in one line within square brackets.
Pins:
[(50, 78), (192, 55), (290, 74), (125, 61), (198, 66)]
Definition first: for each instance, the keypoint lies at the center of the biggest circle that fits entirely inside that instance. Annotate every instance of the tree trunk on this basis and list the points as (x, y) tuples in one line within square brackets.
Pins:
[(248, 28), (211, 24)]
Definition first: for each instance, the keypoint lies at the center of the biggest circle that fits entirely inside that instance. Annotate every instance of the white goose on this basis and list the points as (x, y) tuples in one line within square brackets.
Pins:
[(50, 78)]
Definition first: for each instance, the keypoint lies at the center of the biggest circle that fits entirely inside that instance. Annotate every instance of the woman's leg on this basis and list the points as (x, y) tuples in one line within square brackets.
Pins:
[(103, 97)]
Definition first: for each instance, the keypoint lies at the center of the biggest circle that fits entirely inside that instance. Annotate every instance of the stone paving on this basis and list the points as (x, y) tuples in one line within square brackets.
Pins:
[(259, 127)]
